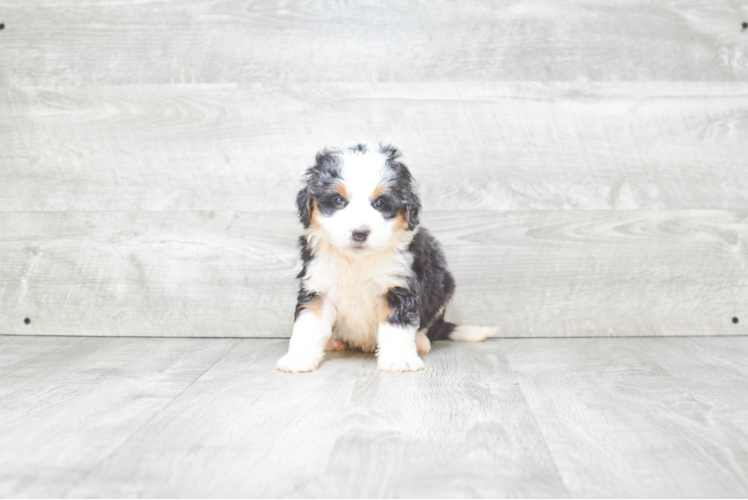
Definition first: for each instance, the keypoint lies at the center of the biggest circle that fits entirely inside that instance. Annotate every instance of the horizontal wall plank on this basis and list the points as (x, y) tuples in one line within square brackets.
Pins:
[(471, 145), (216, 274), (112, 42)]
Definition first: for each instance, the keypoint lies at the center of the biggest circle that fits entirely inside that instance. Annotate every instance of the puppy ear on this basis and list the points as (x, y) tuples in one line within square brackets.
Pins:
[(412, 205), (304, 206)]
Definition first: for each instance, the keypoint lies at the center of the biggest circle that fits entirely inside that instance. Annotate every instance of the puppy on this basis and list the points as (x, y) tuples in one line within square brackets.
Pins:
[(372, 279)]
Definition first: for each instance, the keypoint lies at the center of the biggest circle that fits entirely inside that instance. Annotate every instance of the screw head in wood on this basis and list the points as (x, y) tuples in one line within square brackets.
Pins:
[(745, 26), (735, 320), (27, 320)]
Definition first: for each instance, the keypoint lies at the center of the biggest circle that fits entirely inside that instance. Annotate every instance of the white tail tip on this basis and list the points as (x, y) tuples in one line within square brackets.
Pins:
[(473, 333)]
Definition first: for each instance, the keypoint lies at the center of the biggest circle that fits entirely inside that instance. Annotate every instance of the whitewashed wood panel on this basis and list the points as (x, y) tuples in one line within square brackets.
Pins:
[(212, 41), (213, 274), (620, 424), (461, 428), (68, 403), (470, 145)]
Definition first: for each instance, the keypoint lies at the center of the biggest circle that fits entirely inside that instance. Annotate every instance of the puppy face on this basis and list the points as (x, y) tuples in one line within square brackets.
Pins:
[(358, 198)]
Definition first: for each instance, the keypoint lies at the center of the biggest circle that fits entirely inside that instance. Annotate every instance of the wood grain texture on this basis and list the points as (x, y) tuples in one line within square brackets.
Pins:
[(619, 423), (459, 429), (99, 42), (68, 403), (215, 274), (580, 418), (476, 146)]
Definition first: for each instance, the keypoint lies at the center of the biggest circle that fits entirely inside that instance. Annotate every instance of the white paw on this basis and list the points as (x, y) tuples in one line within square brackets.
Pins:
[(298, 363), (399, 361)]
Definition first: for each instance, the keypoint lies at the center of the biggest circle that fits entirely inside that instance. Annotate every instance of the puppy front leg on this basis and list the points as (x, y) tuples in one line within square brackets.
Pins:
[(396, 334), (311, 331), (396, 350)]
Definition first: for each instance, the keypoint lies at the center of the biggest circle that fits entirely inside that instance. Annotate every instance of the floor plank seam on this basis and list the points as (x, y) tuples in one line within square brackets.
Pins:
[(540, 430), (145, 424)]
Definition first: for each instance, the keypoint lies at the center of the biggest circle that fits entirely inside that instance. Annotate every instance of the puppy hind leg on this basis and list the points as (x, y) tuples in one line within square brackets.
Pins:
[(333, 344), (423, 344)]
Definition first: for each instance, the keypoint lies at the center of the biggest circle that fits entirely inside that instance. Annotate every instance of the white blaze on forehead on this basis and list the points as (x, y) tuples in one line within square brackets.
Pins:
[(363, 172)]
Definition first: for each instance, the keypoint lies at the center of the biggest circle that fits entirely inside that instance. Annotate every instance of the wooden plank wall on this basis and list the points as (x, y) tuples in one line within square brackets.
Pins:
[(585, 164)]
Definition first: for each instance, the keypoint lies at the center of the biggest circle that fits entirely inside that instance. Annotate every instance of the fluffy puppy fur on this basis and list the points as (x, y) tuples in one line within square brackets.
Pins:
[(372, 279)]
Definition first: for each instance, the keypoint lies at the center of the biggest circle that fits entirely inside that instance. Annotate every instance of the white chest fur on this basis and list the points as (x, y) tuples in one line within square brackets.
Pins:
[(354, 287)]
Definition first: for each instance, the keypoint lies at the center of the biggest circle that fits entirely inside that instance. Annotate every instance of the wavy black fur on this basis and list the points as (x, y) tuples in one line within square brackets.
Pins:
[(305, 296), (432, 283)]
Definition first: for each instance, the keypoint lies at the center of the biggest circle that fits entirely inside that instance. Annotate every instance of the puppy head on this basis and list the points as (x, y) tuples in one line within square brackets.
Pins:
[(360, 198)]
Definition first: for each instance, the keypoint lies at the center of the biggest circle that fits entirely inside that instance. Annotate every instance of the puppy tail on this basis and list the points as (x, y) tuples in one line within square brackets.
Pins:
[(473, 333), (442, 330)]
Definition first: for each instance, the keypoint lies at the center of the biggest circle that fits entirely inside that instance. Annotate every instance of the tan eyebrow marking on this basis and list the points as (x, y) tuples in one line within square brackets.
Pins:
[(378, 191), (341, 190)]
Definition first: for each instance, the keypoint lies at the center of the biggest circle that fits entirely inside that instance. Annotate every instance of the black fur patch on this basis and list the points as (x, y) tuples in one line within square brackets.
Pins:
[(441, 329), (422, 302), (403, 189), (306, 255), (304, 298), (403, 302), (320, 186)]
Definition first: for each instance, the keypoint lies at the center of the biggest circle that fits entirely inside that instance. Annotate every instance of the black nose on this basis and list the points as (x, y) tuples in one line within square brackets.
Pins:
[(360, 234)]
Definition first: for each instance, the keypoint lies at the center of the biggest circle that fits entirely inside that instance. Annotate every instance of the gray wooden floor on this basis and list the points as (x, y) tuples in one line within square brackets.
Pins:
[(576, 417)]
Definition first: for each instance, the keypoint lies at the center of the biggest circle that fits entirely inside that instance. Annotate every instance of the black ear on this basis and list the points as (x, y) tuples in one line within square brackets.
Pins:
[(412, 205), (304, 206)]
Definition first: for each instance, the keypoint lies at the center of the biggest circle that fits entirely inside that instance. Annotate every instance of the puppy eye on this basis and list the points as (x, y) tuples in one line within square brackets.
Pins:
[(378, 203), (339, 201)]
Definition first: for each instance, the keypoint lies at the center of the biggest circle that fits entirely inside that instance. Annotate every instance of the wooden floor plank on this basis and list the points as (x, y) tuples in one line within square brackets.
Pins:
[(460, 428), (68, 403), (216, 41), (639, 417), (693, 363), (216, 274), (244, 429), (620, 424), (471, 146)]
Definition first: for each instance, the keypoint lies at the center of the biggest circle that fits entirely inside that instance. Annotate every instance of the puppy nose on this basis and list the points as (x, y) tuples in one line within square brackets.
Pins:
[(360, 234)]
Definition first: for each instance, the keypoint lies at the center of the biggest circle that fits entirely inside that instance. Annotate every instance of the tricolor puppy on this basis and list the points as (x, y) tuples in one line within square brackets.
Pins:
[(372, 278)]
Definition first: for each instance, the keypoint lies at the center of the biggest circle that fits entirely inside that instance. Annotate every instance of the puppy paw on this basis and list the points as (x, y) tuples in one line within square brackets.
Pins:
[(401, 361), (298, 363)]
